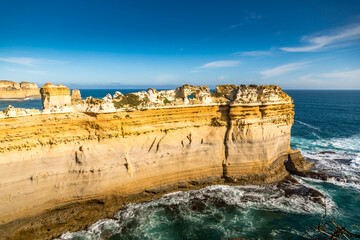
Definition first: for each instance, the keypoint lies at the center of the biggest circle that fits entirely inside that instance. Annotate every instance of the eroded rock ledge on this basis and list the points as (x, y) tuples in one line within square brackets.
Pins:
[(80, 160), (13, 90)]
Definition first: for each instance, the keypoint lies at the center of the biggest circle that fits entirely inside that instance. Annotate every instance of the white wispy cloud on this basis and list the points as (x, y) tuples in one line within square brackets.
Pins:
[(232, 26), (331, 80), (26, 71), (339, 37), (347, 75), (29, 61), (255, 53), (220, 64), (283, 69)]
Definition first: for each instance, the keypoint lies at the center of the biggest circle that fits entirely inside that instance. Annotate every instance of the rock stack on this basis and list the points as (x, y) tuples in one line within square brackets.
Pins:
[(75, 96), (55, 96)]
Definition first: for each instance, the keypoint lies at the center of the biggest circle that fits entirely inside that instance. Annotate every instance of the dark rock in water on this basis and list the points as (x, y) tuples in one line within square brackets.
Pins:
[(115, 236), (296, 163), (317, 175), (292, 187), (197, 205), (343, 161), (327, 152)]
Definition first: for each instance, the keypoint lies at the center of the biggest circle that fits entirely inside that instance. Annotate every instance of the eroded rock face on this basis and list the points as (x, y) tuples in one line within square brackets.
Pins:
[(296, 163), (144, 99), (244, 94), (118, 94), (93, 105), (108, 98), (224, 90), (185, 90), (75, 96), (13, 90), (10, 111), (252, 94), (272, 93), (55, 96)]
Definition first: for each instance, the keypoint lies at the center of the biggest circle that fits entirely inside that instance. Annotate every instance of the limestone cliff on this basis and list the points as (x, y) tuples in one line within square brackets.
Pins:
[(13, 90), (60, 160)]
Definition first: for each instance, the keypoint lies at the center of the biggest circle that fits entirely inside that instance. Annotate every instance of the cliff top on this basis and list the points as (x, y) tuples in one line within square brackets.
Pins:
[(50, 85), (58, 99), (6, 83)]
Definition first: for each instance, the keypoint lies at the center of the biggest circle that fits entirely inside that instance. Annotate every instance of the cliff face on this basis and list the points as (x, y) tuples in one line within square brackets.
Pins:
[(49, 161), (13, 90)]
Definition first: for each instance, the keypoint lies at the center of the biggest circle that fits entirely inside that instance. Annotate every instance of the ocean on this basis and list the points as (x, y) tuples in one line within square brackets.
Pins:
[(326, 130)]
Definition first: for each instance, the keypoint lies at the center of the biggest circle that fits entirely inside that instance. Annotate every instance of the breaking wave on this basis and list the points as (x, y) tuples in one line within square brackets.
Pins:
[(223, 211), (339, 158)]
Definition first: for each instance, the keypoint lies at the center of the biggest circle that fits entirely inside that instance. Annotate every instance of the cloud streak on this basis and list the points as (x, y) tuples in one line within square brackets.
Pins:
[(331, 80), (26, 71), (339, 37), (220, 64), (29, 61), (347, 75), (283, 69), (255, 53)]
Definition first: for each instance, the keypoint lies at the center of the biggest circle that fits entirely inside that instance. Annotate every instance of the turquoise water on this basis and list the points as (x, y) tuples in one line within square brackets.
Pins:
[(326, 129)]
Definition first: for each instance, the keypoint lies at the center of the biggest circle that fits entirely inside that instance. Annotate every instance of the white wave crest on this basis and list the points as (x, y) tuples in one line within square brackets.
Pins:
[(338, 157), (195, 206), (308, 125)]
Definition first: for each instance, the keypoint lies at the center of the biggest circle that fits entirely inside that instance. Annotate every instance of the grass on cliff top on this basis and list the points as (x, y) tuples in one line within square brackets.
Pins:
[(131, 100), (167, 101)]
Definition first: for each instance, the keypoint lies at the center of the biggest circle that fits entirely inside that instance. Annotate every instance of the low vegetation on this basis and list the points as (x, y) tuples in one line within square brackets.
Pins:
[(130, 99), (167, 101)]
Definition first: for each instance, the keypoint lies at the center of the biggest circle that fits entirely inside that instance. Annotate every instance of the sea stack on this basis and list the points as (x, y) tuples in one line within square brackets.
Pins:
[(55, 96), (75, 96), (13, 90)]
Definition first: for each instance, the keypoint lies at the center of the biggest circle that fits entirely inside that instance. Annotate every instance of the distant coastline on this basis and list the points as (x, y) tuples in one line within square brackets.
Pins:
[(10, 90)]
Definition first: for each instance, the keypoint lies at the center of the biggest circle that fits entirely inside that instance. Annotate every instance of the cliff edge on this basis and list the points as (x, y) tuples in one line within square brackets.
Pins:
[(81, 160)]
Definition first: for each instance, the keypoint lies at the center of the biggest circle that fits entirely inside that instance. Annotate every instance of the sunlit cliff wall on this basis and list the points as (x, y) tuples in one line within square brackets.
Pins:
[(241, 134)]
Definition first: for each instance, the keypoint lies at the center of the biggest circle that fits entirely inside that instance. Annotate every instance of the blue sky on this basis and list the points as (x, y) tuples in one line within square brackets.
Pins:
[(128, 44)]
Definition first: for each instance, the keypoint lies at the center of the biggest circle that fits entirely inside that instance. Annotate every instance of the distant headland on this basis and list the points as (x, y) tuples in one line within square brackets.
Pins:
[(23, 90)]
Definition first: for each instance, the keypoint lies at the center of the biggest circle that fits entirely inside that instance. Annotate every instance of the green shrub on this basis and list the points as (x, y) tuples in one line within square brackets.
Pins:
[(166, 101), (130, 99)]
